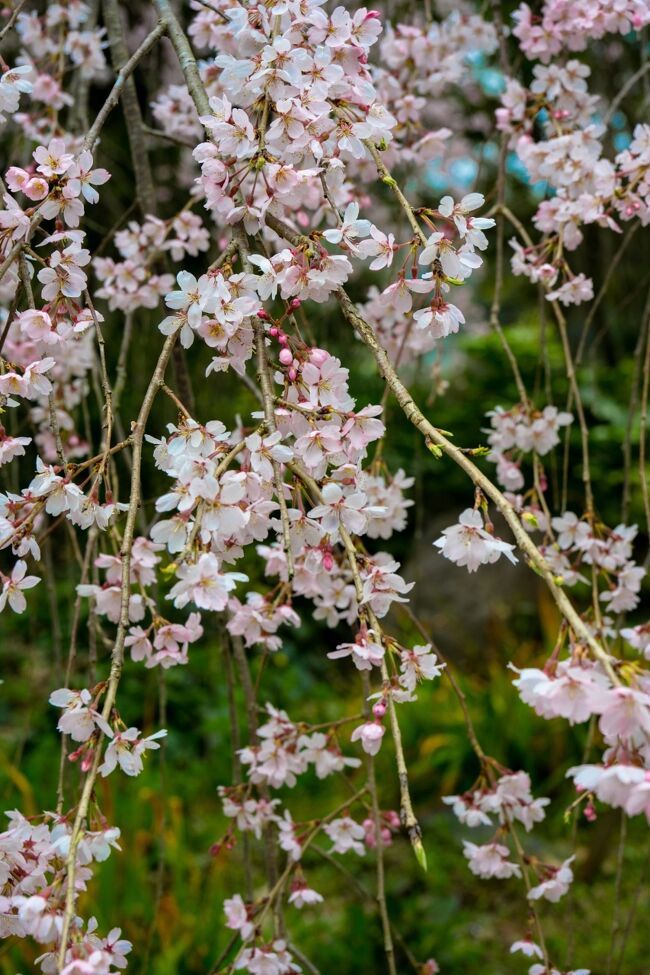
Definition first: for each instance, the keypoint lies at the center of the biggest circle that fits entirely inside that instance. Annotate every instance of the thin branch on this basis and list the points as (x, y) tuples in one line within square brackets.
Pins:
[(495, 309), (365, 896), (616, 907), (124, 66), (638, 358), (627, 87), (185, 56), (389, 950), (12, 19), (596, 303), (269, 410), (117, 656), (121, 80), (643, 427)]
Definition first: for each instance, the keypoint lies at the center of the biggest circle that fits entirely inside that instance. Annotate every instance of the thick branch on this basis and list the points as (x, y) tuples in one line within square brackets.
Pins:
[(415, 416)]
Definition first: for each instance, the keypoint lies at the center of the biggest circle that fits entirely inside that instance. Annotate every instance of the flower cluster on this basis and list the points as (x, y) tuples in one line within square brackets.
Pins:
[(560, 26), (33, 869), (518, 431), (587, 187)]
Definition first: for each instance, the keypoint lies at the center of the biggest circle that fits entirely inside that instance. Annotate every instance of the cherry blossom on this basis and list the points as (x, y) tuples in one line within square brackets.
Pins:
[(346, 835), (13, 587), (341, 509), (301, 895), (126, 749), (469, 544), (79, 718), (556, 885), (418, 664), (237, 917), (370, 735), (490, 860), (204, 584)]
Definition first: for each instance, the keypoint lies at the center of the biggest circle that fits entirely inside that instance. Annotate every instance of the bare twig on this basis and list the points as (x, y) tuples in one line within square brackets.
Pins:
[(389, 950), (12, 19), (122, 83), (117, 656), (124, 67)]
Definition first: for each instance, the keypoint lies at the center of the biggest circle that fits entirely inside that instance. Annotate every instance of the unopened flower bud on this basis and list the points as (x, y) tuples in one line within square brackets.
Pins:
[(318, 356)]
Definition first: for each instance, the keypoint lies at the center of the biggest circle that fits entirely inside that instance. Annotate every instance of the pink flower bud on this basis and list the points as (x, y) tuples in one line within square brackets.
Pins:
[(379, 709), (292, 374), (295, 303), (263, 315), (328, 561), (36, 189), (318, 356), (283, 339), (16, 178), (274, 331), (286, 357)]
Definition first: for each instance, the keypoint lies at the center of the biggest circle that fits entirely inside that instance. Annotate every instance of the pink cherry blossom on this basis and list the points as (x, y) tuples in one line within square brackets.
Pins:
[(469, 544), (13, 587)]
